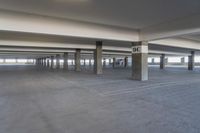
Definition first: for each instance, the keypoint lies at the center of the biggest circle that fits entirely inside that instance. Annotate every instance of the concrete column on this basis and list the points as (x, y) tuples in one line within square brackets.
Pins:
[(84, 63), (126, 62), (140, 61), (90, 62), (152, 60), (42, 62), (48, 62), (104, 62), (162, 61), (191, 61), (45, 62), (183, 60), (4, 60), (72, 62), (109, 61), (65, 65), (57, 61), (52, 61), (98, 58), (114, 62), (38, 61), (78, 60)]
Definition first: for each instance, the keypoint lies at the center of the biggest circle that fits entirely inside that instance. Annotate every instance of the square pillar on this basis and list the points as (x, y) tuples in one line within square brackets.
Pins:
[(125, 61), (36, 61), (104, 62), (57, 61), (191, 61), (90, 62), (114, 62), (183, 60), (152, 60), (39, 62), (48, 63), (98, 58), (78, 60), (84, 62), (162, 61), (65, 65), (42, 61), (45, 62), (109, 61), (140, 61), (52, 61)]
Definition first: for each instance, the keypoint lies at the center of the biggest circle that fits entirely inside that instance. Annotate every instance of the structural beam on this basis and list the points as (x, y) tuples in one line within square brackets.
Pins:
[(140, 61)]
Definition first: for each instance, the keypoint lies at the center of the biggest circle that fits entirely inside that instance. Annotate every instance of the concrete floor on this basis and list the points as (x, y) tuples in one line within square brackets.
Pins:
[(36, 100)]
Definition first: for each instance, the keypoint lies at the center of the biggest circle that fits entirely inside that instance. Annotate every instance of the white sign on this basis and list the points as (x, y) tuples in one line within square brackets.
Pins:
[(139, 49)]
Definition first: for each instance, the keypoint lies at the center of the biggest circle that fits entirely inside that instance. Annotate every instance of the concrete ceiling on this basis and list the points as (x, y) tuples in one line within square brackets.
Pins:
[(117, 19), (135, 14)]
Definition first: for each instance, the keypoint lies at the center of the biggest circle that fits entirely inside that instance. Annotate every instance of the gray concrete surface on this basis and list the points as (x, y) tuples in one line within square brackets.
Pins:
[(38, 100)]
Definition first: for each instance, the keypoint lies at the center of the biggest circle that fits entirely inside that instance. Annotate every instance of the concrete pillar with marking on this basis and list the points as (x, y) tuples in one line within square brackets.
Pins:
[(140, 61)]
